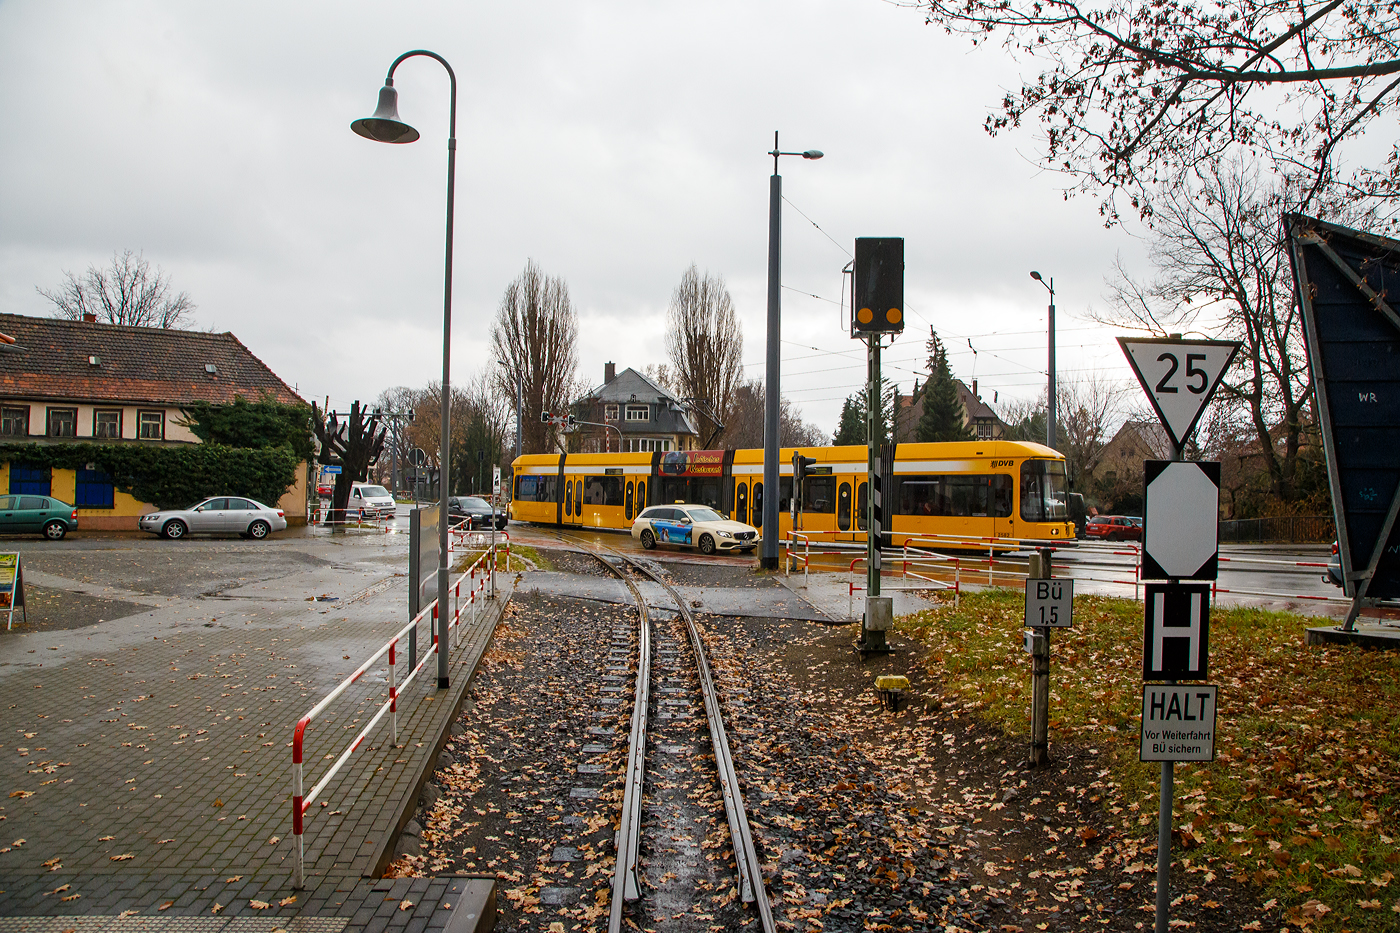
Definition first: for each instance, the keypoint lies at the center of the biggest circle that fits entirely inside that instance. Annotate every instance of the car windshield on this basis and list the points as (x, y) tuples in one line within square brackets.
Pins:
[(704, 515), (474, 502), (375, 491)]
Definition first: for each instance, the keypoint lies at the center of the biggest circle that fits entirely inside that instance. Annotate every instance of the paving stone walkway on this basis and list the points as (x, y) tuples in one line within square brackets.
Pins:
[(145, 764)]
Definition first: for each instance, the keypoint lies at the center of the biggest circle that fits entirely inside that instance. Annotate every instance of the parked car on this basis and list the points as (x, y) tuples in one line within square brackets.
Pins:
[(1334, 567), (247, 518), (325, 491), (693, 526), (370, 501), (1113, 528), (475, 511), (44, 515)]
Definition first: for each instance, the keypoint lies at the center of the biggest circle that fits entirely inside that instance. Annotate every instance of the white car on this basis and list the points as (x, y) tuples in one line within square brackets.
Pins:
[(370, 501), (693, 526), (246, 518)]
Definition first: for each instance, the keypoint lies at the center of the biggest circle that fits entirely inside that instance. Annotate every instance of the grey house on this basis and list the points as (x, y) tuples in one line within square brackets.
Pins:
[(646, 416)]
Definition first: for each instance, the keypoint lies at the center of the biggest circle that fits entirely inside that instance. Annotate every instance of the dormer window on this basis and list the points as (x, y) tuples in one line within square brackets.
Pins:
[(610, 412), (638, 413)]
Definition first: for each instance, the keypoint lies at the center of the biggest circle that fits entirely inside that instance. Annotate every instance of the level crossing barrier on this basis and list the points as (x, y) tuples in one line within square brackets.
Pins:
[(479, 576)]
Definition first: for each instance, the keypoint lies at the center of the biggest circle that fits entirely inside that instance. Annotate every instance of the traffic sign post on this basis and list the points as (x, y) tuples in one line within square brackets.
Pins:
[(1181, 541), (1049, 603)]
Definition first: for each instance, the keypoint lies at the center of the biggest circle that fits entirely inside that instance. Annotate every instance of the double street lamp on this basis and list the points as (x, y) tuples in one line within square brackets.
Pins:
[(771, 390), (386, 127), (1050, 388)]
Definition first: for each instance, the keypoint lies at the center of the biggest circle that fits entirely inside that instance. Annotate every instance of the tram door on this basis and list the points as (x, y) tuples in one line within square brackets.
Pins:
[(741, 503), (843, 507), (757, 505), (641, 495), (627, 501)]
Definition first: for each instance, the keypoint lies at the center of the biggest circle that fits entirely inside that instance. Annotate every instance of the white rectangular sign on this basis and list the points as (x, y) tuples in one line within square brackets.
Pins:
[(1178, 722), (1050, 603), (496, 481)]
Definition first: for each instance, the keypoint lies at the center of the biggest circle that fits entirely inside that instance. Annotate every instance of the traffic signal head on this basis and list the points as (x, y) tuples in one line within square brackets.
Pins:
[(544, 417), (800, 465), (877, 293)]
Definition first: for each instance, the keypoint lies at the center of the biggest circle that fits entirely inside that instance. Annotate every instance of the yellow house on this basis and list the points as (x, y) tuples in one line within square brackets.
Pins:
[(62, 381)]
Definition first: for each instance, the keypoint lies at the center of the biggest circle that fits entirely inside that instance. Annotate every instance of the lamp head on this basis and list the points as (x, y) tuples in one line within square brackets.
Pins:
[(812, 154), (385, 126), (1036, 276)]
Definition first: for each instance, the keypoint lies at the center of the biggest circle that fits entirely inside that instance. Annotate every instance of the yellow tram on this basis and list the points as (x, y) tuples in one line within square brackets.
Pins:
[(972, 489)]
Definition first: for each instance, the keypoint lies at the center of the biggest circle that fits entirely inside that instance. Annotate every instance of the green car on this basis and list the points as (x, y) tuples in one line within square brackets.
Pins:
[(37, 515)]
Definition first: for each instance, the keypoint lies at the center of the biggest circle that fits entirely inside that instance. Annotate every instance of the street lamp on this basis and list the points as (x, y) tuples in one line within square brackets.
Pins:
[(769, 550), (1050, 410), (386, 127)]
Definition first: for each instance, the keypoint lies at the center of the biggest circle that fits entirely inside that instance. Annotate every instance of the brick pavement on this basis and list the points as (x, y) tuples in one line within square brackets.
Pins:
[(147, 760)]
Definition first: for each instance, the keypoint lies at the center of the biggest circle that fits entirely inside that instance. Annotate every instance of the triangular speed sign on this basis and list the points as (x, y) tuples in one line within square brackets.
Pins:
[(1179, 377)]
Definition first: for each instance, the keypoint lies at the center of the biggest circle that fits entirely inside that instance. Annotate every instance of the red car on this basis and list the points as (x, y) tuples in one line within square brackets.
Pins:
[(1112, 528)]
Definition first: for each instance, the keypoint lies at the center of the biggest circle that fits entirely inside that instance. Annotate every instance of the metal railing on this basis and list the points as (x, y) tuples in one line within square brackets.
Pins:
[(1279, 529), (486, 566)]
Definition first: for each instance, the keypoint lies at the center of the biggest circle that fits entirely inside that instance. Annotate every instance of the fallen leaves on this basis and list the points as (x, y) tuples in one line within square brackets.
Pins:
[(125, 856), (258, 905)]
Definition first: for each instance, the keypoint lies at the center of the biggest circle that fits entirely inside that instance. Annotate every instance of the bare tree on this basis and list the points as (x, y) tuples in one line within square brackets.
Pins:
[(660, 374), (535, 336), (354, 444), (1223, 269), (126, 292), (1133, 93), (746, 422), (1088, 407), (706, 348)]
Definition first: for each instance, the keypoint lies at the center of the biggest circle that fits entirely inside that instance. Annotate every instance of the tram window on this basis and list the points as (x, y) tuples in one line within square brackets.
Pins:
[(863, 506), (709, 494), (843, 507), (741, 503), (569, 498), (1043, 491), (819, 494), (603, 490), (757, 505), (641, 494), (525, 487), (784, 493), (627, 503), (951, 494), (1003, 491), (592, 490), (578, 498)]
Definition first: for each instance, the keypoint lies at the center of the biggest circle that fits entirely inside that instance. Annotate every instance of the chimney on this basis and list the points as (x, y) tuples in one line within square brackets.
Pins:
[(974, 391), (609, 372), (89, 317)]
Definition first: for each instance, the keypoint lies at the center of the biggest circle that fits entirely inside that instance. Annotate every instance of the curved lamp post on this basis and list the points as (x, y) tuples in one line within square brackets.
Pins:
[(1050, 386), (768, 552), (386, 127)]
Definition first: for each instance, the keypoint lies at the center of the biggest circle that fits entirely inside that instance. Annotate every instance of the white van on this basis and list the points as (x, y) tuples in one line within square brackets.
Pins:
[(370, 501)]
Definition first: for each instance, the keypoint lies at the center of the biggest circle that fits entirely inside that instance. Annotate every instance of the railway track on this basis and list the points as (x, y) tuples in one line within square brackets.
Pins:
[(659, 652)]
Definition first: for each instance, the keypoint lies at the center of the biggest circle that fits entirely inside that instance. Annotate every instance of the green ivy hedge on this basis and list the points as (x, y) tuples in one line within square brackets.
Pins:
[(172, 477)]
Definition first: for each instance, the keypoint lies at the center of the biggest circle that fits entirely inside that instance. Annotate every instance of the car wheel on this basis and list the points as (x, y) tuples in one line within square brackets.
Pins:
[(174, 529), (55, 531), (707, 544), (648, 539), (258, 530)]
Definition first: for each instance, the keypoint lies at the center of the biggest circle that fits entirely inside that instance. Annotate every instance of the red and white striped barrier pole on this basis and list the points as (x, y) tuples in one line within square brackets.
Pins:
[(394, 690)]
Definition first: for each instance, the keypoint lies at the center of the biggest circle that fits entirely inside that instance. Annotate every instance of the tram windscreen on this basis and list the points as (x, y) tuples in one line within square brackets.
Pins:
[(1044, 492)]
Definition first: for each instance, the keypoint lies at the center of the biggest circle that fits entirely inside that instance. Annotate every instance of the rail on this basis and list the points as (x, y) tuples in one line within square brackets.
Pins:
[(302, 802)]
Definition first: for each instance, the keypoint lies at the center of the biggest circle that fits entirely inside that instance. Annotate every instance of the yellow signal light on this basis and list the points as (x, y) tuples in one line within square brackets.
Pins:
[(893, 315), (865, 315)]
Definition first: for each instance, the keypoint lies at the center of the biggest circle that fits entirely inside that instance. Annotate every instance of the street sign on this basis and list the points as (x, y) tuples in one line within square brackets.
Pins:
[(419, 456), (1181, 534), (496, 481), (332, 469), (1179, 377), (1344, 284), (1176, 631), (1050, 603), (1178, 722)]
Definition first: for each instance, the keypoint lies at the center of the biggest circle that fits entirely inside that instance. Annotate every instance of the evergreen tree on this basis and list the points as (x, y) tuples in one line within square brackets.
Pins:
[(943, 418), (851, 429)]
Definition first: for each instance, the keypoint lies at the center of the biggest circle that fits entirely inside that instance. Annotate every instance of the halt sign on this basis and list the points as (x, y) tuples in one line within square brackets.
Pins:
[(1179, 377), (1178, 723)]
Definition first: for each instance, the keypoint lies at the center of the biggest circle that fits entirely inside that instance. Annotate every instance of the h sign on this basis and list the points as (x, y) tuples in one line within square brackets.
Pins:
[(1176, 631)]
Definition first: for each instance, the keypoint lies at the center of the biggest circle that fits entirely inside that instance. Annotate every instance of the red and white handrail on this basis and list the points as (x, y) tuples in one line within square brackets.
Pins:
[(485, 565)]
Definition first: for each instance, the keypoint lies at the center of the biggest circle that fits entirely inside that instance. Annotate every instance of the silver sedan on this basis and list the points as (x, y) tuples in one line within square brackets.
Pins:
[(246, 518)]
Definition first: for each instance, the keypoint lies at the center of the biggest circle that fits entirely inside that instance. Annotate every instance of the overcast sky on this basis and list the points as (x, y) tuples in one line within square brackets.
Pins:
[(612, 142)]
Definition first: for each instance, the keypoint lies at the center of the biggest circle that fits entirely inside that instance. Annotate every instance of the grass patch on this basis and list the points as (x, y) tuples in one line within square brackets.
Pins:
[(1302, 799), (520, 557)]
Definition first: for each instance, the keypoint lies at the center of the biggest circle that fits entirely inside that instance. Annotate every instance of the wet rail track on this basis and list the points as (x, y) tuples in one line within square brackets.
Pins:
[(672, 850)]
